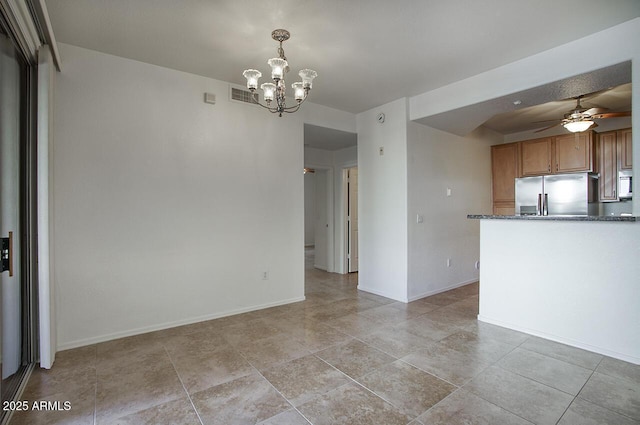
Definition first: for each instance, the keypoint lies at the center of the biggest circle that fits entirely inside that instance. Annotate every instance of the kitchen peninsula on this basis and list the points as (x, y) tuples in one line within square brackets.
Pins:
[(571, 279)]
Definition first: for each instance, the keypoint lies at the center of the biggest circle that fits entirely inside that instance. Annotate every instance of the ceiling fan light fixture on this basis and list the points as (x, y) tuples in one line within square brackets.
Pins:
[(578, 125)]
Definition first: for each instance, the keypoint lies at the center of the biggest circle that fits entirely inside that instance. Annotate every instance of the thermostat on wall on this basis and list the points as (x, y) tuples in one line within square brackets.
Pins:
[(210, 98)]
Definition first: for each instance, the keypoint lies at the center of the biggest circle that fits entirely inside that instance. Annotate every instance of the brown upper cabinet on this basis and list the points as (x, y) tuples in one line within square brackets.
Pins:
[(624, 149), (573, 152), (614, 154), (570, 153), (536, 157)]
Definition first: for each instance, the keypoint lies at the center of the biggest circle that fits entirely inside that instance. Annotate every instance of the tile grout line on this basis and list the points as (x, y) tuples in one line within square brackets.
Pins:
[(278, 391), (495, 363), (269, 382), (353, 380), (576, 396), (595, 403), (522, 376), (182, 383)]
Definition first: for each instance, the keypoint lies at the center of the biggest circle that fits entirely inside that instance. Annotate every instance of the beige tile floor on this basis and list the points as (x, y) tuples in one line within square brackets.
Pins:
[(340, 357)]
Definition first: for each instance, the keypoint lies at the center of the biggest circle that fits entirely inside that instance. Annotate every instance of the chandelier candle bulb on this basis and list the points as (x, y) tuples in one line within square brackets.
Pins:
[(252, 76), (298, 91), (269, 90), (277, 68), (307, 76)]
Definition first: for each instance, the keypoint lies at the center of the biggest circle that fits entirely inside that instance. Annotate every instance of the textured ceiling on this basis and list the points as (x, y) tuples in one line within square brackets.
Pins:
[(366, 52)]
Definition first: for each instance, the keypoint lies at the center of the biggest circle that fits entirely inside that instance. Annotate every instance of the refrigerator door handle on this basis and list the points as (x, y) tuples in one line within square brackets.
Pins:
[(545, 205), (539, 206)]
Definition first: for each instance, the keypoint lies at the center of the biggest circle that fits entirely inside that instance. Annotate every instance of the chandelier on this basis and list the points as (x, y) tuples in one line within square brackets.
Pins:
[(274, 93)]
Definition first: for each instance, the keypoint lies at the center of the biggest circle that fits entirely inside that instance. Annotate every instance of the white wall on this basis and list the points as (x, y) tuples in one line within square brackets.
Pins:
[(438, 161), (382, 201), (572, 282), (167, 209)]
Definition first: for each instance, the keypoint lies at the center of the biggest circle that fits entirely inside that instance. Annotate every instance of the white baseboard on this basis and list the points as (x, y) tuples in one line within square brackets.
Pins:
[(382, 294), (437, 291), (566, 341), (169, 325)]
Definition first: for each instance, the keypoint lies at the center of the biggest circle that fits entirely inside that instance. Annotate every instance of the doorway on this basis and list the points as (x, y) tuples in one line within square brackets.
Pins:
[(318, 206), (328, 152)]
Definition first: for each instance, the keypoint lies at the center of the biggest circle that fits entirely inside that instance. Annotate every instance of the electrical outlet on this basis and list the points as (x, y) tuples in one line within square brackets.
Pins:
[(419, 219), (265, 275)]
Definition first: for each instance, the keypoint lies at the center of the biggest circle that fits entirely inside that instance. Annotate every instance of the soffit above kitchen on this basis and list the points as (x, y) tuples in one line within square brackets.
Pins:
[(366, 52), (609, 88)]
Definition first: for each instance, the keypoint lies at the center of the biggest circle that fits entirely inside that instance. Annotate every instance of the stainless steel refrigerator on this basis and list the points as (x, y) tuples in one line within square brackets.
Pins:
[(558, 194)]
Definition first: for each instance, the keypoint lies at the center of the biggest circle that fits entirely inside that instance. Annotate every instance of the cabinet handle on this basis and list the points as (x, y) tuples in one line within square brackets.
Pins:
[(549, 168)]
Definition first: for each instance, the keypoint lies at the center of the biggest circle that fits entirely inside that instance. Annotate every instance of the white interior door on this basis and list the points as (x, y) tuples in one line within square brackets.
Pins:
[(10, 83), (352, 219)]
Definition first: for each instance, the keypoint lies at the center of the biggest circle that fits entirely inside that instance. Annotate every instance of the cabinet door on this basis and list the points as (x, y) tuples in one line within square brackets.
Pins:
[(624, 143), (504, 169), (536, 157), (608, 166), (573, 153)]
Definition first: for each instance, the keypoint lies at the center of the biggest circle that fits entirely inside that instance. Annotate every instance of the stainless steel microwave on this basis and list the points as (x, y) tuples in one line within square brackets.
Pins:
[(625, 184)]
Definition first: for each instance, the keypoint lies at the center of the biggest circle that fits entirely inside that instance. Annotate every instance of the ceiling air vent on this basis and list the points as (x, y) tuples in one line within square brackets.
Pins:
[(240, 95)]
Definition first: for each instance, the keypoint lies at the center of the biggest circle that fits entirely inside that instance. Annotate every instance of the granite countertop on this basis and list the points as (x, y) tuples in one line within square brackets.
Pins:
[(624, 218)]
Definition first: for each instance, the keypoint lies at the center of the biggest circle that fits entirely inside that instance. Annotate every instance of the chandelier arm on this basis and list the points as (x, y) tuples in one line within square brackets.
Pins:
[(297, 106), (292, 109), (268, 108)]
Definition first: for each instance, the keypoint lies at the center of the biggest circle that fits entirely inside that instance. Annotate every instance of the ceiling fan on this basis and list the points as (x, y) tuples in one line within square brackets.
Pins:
[(580, 119)]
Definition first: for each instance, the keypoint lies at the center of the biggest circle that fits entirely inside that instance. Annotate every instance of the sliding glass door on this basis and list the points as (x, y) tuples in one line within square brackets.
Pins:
[(17, 213)]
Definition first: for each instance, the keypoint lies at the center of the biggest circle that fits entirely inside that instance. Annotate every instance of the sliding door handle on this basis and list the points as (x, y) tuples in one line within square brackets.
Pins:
[(6, 254)]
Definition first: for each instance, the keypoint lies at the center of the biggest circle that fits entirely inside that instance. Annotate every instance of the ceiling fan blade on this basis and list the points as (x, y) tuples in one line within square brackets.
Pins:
[(547, 128), (594, 111), (612, 115), (540, 122)]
